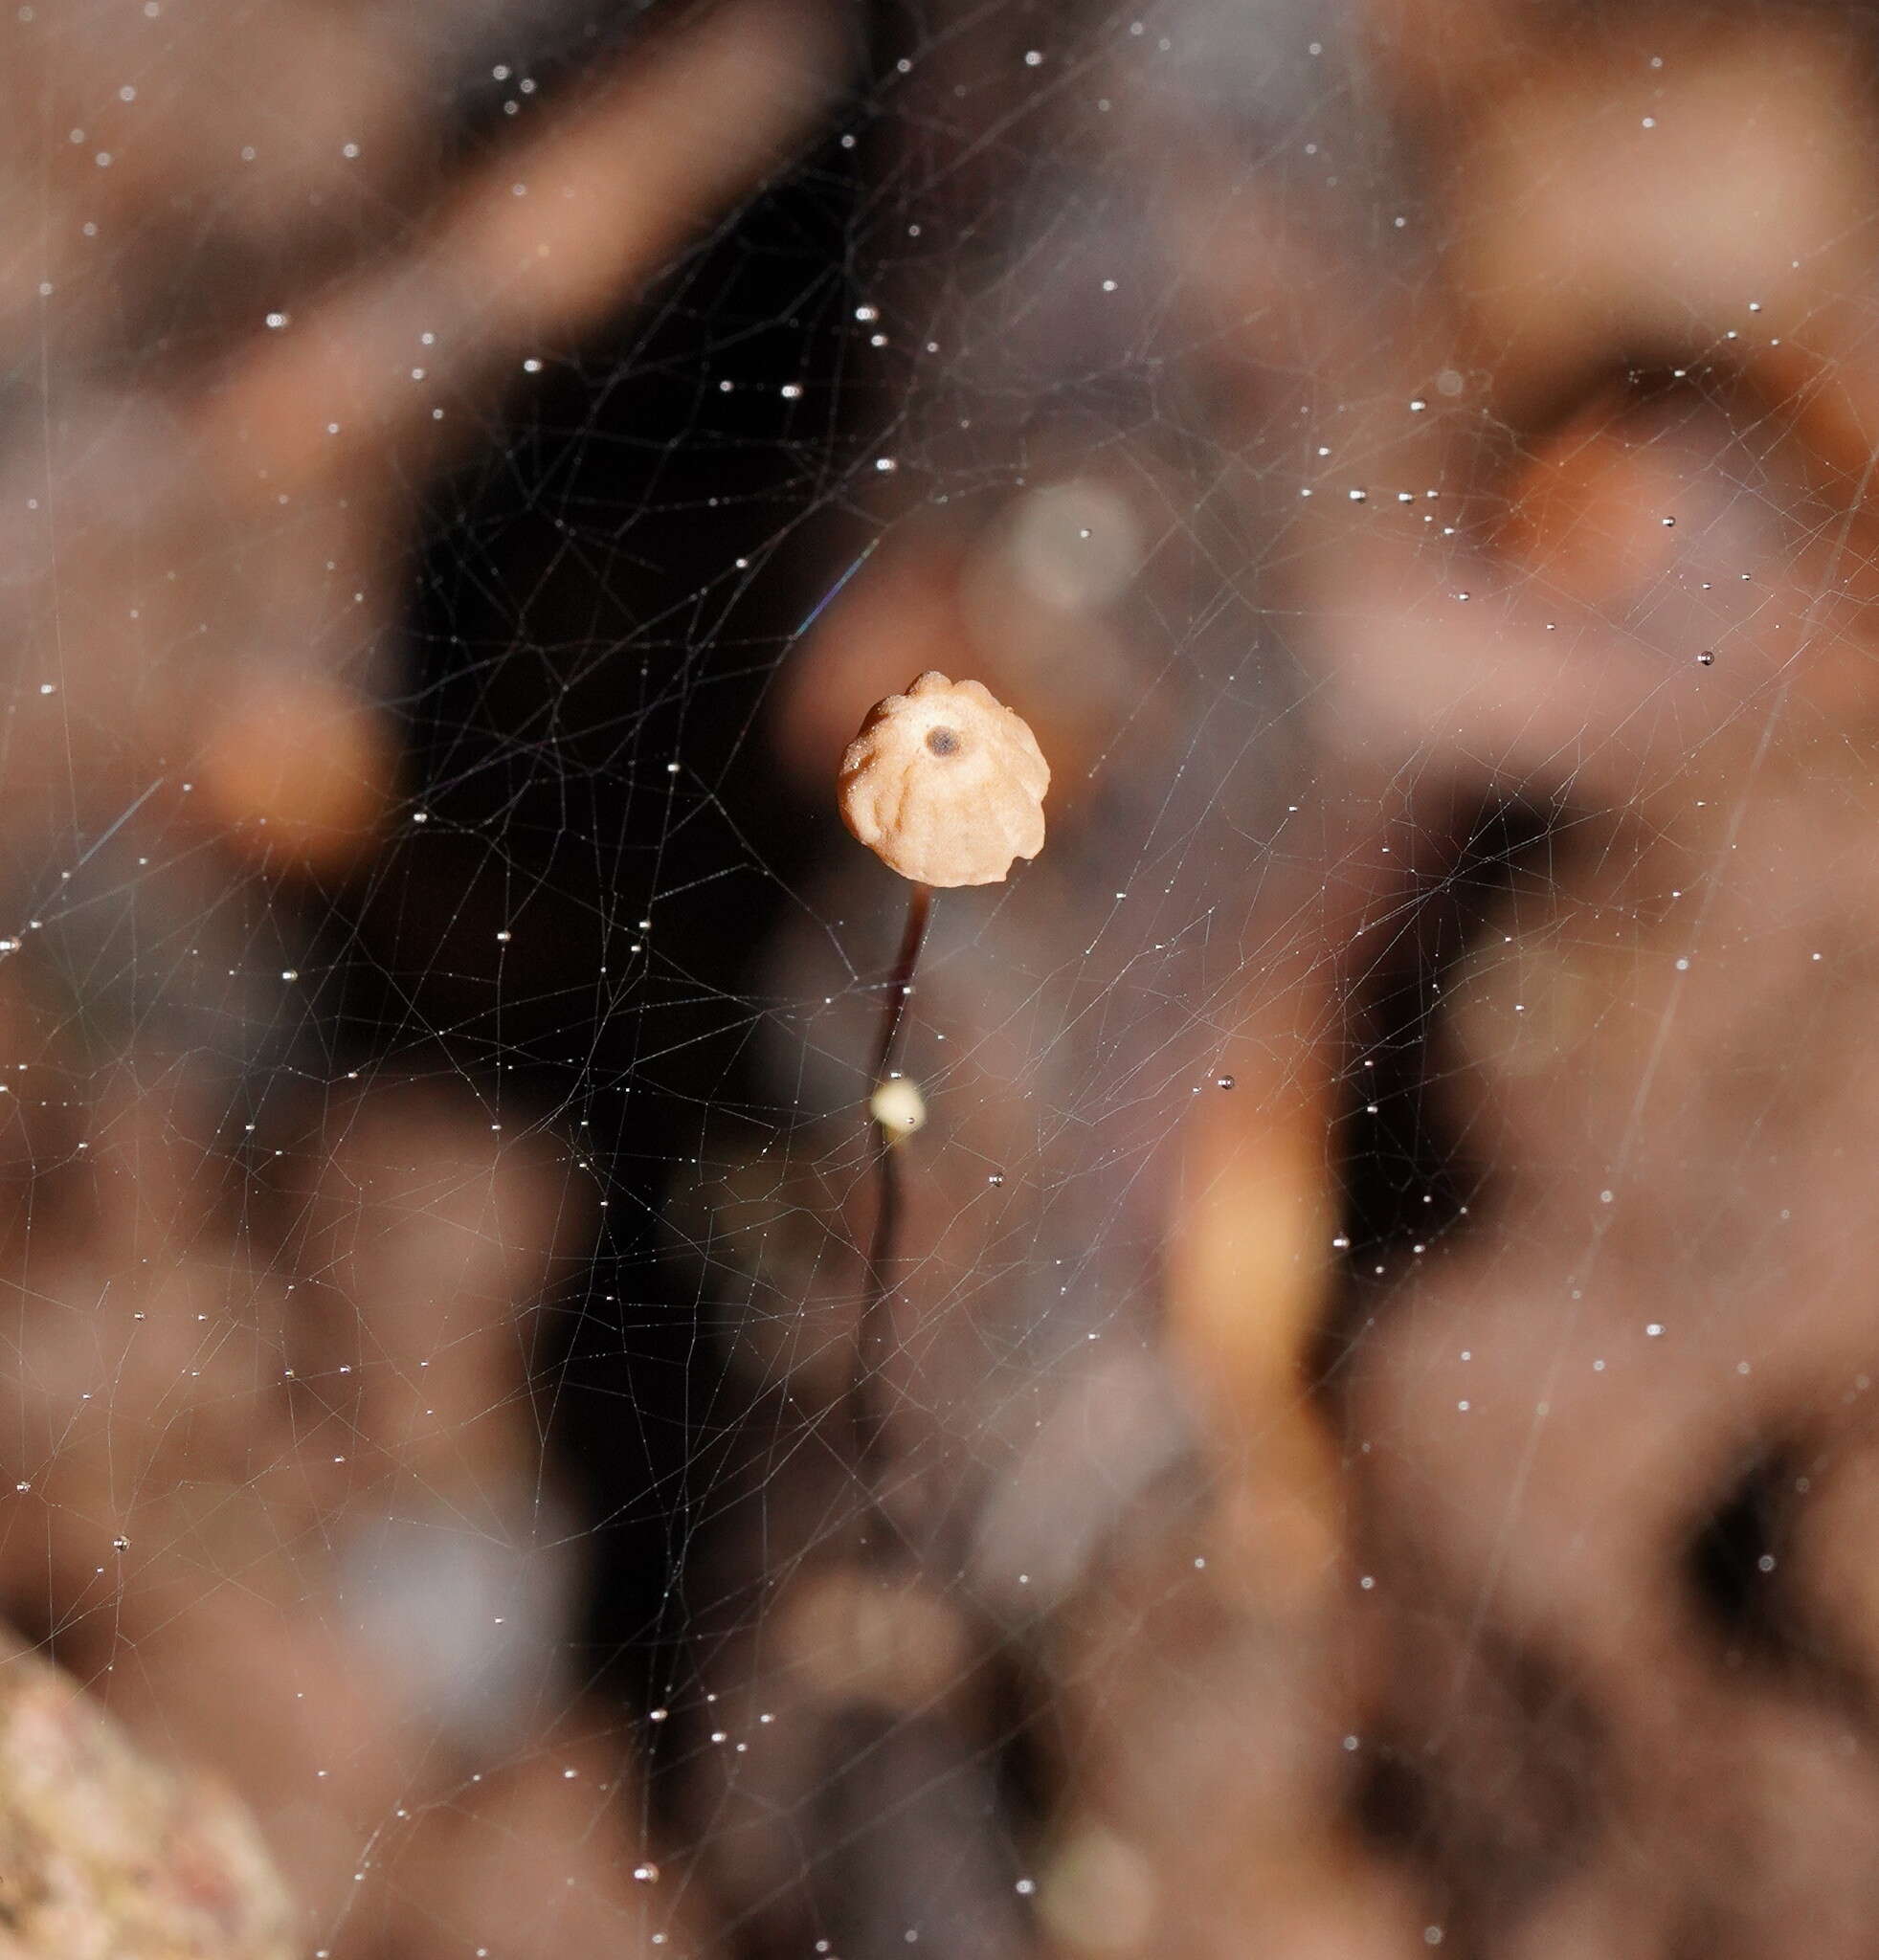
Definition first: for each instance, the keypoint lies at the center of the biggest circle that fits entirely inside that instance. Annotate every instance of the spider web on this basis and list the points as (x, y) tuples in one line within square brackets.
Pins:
[(1351, 1435)]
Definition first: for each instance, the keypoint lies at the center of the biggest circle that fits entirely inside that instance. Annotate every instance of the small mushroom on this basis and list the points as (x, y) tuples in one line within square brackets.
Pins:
[(898, 1106), (945, 784)]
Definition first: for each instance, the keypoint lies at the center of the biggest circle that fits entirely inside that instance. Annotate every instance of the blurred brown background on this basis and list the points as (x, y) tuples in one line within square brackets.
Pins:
[(1376, 1449)]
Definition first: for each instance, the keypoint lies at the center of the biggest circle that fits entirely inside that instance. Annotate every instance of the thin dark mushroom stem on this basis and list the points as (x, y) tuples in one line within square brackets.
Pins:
[(872, 1331), (918, 912)]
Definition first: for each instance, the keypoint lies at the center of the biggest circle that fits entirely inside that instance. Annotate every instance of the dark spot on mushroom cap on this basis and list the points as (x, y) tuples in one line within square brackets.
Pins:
[(942, 741)]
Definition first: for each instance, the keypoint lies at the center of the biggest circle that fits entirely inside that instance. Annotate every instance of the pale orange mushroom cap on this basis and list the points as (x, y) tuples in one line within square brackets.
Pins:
[(945, 784)]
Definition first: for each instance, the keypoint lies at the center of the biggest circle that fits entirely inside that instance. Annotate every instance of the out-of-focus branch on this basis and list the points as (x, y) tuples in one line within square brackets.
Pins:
[(539, 246)]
